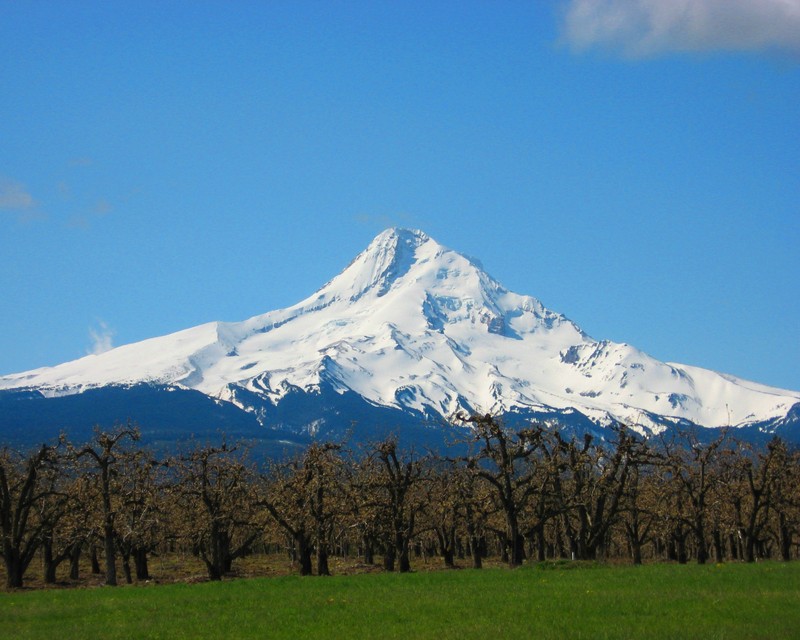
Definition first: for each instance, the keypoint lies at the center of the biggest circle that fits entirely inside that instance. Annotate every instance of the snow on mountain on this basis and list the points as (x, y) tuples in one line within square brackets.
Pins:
[(413, 325)]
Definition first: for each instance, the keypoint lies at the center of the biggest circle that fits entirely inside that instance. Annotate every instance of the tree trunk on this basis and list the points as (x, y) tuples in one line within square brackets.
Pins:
[(785, 539), (476, 550), (215, 562), (48, 564), (540, 544), (303, 554), (140, 559), (369, 550), (322, 559), (15, 569), (126, 567), (733, 543), (110, 553), (477, 555), (389, 558), (750, 548), (95, 561), (213, 571), (718, 551), (636, 550), (702, 547), (225, 555), (74, 561), (403, 557), (680, 544), (672, 550), (447, 547), (702, 552), (516, 543), (448, 557)]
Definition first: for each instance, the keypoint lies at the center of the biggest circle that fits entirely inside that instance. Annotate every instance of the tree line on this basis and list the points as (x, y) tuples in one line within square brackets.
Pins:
[(512, 494)]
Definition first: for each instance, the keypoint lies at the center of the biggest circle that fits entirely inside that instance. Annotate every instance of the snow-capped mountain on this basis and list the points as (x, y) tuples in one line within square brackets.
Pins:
[(413, 326)]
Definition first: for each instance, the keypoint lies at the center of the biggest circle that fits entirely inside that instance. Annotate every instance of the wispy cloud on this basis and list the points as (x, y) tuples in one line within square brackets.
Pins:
[(384, 221), (16, 200), (14, 196), (80, 162), (64, 190), (102, 207), (640, 28), (85, 219), (79, 221), (102, 338)]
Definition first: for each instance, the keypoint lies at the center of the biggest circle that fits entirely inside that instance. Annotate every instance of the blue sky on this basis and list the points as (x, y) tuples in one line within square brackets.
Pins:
[(633, 164)]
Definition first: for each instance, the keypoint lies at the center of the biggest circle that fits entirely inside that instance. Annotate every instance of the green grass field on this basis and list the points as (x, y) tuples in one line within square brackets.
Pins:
[(548, 601)]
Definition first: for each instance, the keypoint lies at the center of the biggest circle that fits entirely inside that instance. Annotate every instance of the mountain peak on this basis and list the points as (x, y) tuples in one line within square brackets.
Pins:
[(387, 259), (392, 253), (395, 235)]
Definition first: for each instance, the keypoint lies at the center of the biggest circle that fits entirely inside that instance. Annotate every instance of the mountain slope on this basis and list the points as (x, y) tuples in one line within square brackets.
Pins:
[(419, 328)]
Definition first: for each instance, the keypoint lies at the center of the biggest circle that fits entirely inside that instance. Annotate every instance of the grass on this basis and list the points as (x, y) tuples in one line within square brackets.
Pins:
[(543, 601)]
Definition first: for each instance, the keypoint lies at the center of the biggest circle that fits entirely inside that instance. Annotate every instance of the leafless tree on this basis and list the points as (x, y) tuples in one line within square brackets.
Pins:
[(592, 487), (304, 496), (24, 482), (393, 478), (216, 491), (103, 454), (506, 461)]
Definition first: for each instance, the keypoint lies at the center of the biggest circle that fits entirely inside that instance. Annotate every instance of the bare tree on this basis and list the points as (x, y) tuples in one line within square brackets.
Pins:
[(303, 496), (361, 506), (140, 519), (785, 497), (104, 453), (506, 462), (59, 513), (758, 477), (24, 482), (217, 493), (693, 467), (393, 477), (75, 529), (443, 499), (641, 509), (476, 508), (593, 487)]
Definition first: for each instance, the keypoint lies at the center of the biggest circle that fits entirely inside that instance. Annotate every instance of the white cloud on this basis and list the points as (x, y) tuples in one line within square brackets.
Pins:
[(14, 196), (101, 337), (639, 28)]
